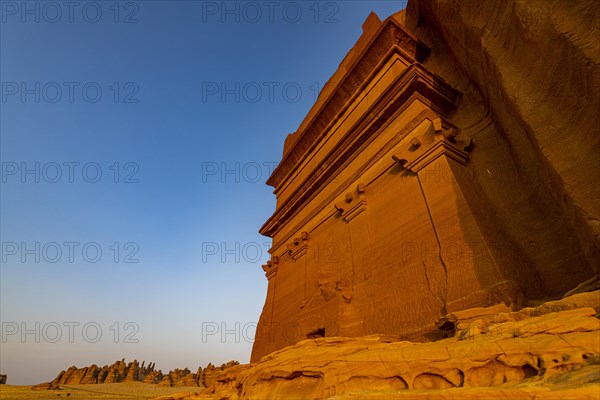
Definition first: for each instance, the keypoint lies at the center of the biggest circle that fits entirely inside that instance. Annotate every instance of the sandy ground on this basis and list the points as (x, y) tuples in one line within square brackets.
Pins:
[(105, 391)]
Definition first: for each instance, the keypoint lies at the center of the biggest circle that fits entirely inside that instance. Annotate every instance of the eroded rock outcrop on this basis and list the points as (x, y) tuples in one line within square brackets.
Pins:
[(121, 371), (551, 351), (45, 386)]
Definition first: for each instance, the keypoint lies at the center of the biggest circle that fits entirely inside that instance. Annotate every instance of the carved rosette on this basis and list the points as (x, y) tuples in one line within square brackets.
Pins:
[(353, 204)]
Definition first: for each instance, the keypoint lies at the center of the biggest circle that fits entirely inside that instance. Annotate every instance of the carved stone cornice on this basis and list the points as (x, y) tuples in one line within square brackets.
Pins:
[(424, 115), (415, 82), (353, 204), (271, 267), (366, 58)]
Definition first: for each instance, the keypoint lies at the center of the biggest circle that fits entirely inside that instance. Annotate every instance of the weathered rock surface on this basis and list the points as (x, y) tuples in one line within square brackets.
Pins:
[(120, 371), (495, 354), (133, 372), (153, 377), (210, 373), (176, 375)]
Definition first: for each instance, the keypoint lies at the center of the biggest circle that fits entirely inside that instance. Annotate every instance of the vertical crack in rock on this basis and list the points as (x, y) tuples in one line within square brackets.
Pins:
[(443, 296)]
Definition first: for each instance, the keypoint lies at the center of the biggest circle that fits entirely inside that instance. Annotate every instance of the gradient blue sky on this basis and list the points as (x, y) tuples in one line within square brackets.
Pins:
[(165, 124)]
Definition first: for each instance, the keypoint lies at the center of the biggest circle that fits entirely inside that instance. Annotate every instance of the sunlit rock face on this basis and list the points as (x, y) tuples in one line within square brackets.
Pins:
[(451, 162)]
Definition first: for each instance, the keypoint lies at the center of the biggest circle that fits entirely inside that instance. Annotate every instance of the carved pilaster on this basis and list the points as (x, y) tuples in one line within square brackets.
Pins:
[(351, 209)]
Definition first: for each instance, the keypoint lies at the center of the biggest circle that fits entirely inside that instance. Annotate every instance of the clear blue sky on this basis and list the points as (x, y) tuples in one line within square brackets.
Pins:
[(145, 131)]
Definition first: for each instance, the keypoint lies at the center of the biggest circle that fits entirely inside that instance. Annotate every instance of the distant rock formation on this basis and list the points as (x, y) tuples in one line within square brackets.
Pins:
[(45, 386), (120, 371), (2, 379)]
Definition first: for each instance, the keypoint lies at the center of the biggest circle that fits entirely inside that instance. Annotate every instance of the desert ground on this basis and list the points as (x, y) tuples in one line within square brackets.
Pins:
[(134, 390)]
